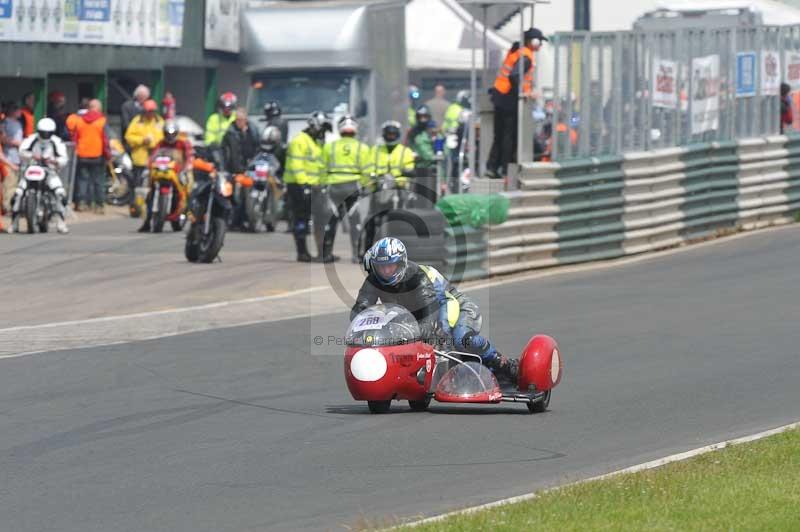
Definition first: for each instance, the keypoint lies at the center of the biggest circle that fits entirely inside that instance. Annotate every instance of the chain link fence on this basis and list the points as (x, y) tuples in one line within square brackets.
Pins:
[(641, 90)]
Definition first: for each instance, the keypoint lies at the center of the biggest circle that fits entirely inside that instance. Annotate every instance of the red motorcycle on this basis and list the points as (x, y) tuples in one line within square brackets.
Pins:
[(387, 360)]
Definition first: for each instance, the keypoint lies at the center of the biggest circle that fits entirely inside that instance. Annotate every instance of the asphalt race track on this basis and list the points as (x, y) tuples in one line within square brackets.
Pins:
[(242, 429)]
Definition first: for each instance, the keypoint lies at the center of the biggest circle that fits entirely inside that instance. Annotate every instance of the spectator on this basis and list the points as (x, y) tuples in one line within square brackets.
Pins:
[(505, 96), (57, 110), (438, 104), (421, 139), (5, 166), (786, 107), (168, 108), (28, 120), (143, 134), (91, 148), (12, 140), (133, 107), (239, 144), (72, 120)]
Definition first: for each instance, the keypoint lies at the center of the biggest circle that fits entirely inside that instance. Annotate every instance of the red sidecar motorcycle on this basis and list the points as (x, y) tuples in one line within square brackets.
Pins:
[(387, 360)]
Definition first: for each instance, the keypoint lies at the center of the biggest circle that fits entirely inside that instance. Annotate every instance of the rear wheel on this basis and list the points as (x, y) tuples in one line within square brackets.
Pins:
[(120, 190), (541, 406), (379, 407), (419, 406), (163, 210)]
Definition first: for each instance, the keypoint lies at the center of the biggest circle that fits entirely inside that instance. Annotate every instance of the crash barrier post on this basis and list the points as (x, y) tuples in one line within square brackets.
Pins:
[(643, 90), (609, 207)]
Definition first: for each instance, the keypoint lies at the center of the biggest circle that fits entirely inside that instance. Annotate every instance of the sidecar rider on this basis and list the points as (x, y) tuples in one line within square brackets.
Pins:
[(442, 311), (45, 148)]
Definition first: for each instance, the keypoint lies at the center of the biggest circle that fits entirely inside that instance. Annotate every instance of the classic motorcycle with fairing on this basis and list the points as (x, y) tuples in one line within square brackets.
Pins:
[(388, 360), (38, 199), (209, 209), (169, 189)]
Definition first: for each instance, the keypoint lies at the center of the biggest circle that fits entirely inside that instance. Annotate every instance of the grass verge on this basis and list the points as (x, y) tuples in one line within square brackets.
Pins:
[(749, 486)]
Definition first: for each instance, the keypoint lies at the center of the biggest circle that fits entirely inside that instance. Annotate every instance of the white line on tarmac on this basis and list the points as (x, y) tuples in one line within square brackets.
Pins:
[(632, 469), (167, 311)]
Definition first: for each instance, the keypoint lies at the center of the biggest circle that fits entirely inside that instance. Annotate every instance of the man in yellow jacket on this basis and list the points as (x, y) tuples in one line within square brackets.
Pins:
[(348, 161), (304, 166), (393, 158), (144, 133)]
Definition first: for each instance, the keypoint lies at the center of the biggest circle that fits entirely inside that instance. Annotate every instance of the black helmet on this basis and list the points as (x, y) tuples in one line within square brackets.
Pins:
[(391, 131), (423, 115), (171, 131), (272, 110), (271, 138)]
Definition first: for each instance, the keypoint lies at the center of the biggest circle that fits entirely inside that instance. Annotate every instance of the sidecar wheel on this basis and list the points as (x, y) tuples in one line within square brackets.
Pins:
[(419, 406), (379, 407), (541, 406)]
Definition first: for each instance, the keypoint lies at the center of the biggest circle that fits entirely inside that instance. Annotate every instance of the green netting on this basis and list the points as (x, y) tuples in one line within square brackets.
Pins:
[(475, 210)]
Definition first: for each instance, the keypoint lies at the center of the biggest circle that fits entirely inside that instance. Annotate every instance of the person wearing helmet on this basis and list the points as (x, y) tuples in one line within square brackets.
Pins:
[(183, 155), (43, 148), (413, 102), (443, 312), (219, 122), (453, 112), (304, 166), (347, 162), (421, 138), (273, 117), (391, 157)]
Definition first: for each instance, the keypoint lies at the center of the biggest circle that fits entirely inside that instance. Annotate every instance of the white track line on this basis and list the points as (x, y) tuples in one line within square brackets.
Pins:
[(168, 311), (632, 469)]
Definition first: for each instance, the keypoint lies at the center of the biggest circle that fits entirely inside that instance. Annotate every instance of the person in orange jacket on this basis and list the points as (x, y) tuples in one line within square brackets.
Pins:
[(92, 150), (28, 120)]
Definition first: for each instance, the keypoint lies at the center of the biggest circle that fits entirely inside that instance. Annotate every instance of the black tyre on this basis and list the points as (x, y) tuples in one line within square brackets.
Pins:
[(541, 406), (44, 222), (420, 406), (177, 225), (251, 211), (210, 244), (192, 248), (120, 191), (163, 211), (271, 215), (379, 407), (29, 208)]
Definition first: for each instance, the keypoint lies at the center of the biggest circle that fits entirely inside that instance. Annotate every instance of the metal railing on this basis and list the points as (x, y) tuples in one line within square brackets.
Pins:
[(639, 90)]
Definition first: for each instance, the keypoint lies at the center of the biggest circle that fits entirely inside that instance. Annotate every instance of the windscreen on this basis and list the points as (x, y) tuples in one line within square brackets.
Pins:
[(470, 381), (383, 325), (300, 93)]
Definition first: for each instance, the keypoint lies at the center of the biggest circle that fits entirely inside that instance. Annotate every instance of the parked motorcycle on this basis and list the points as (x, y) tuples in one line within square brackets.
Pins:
[(169, 191), (259, 192), (209, 208), (121, 186)]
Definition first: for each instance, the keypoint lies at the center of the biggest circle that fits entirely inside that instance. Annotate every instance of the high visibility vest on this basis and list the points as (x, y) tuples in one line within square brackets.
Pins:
[(216, 127), (451, 117), (346, 160), (304, 165), (396, 162), (502, 82)]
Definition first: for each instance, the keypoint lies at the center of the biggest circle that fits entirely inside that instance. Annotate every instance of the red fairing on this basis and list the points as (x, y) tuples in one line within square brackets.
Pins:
[(540, 364), (165, 189), (384, 373)]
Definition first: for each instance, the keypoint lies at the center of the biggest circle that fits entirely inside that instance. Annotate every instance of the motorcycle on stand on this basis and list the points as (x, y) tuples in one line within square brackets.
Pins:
[(209, 208), (169, 190), (121, 185)]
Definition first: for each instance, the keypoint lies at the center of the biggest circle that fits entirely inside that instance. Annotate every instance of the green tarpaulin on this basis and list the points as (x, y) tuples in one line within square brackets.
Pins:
[(475, 210)]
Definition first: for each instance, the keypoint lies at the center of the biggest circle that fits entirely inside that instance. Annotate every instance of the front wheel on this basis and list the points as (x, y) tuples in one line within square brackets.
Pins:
[(163, 211), (30, 211), (251, 209), (420, 406), (192, 248), (541, 406), (379, 407), (210, 244)]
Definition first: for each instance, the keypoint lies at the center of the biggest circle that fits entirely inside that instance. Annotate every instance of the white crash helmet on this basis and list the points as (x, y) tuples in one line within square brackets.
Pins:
[(46, 128), (347, 124)]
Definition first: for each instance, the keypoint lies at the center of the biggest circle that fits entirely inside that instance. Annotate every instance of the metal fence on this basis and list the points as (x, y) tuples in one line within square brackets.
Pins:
[(639, 90)]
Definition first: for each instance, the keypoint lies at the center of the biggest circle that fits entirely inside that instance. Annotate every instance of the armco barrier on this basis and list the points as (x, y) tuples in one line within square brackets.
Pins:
[(604, 208)]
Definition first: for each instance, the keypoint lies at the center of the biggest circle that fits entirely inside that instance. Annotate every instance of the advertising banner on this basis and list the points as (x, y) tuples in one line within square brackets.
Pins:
[(745, 74), (665, 93), (222, 25), (770, 73), (120, 22), (705, 93)]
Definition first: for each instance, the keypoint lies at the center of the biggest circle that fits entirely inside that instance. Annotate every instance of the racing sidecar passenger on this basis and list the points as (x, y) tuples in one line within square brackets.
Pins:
[(440, 308)]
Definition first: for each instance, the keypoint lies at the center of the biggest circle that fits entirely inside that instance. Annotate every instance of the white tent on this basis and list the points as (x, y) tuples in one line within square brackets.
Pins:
[(439, 37)]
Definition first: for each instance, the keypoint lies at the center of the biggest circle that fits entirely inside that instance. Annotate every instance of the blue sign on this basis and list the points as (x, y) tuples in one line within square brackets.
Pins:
[(95, 10), (745, 74), (5, 8), (176, 12)]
